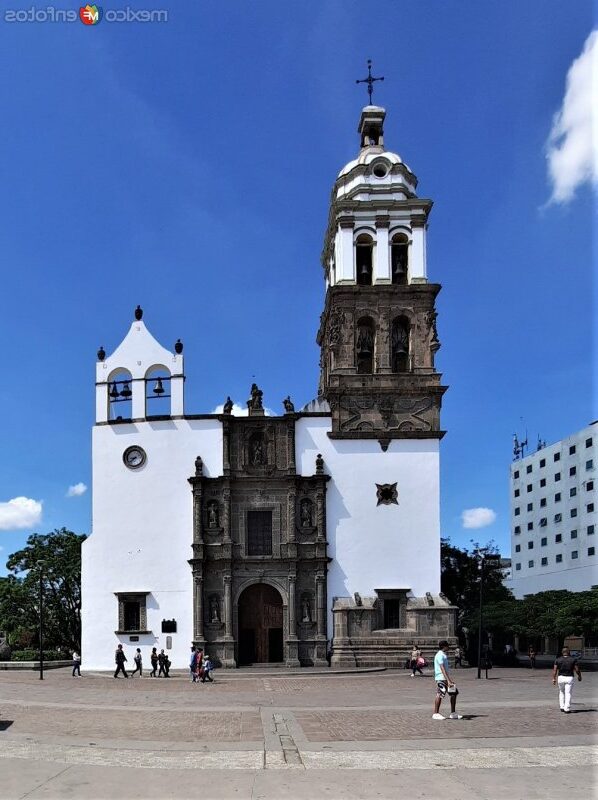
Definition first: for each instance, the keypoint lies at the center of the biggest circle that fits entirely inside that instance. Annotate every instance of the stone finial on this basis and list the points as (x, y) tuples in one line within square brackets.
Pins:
[(228, 406), (178, 347), (319, 464), (198, 467), (138, 313), (101, 354), (429, 599), (357, 598), (289, 407)]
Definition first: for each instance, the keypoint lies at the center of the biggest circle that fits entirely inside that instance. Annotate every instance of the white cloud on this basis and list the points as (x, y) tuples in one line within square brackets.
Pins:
[(572, 146), (477, 517), (240, 411), (77, 490), (20, 513)]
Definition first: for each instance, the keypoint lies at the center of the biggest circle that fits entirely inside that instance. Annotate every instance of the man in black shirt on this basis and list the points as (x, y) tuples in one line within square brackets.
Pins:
[(565, 667)]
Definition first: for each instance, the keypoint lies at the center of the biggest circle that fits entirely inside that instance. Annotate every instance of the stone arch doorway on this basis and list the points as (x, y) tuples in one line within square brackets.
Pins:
[(260, 625)]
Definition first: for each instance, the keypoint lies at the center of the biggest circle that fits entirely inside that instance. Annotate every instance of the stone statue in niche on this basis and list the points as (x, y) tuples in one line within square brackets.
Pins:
[(255, 401), (228, 406), (288, 405), (305, 610), (305, 514), (256, 454), (214, 609), (212, 514)]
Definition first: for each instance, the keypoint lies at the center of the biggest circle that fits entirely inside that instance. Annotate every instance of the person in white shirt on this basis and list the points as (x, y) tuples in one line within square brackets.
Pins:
[(76, 665), (444, 684)]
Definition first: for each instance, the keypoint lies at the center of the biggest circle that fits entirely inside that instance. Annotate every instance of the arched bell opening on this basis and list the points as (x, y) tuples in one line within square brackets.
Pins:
[(399, 263), (120, 394), (364, 259), (365, 345), (157, 391), (400, 344), (261, 625)]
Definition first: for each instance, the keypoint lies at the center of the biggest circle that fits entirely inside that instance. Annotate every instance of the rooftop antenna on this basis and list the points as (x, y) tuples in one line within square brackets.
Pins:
[(370, 81), (519, 447), (541, 443)]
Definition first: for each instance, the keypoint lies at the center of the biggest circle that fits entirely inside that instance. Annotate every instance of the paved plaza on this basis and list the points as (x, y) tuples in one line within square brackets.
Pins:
[(270, 734)]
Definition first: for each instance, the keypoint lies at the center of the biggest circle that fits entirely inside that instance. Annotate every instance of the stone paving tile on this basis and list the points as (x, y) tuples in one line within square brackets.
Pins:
[(364, 725), (182, 726)]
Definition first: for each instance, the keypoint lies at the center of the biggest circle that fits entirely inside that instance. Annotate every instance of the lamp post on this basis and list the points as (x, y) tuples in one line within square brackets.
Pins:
[(482, 556), (40, 564)]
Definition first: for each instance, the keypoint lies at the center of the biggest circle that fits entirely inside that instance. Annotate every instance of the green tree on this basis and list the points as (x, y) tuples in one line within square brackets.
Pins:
[(56, 557)]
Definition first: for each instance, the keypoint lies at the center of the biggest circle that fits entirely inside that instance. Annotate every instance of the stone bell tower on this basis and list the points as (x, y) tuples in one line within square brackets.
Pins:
[(378, 334)]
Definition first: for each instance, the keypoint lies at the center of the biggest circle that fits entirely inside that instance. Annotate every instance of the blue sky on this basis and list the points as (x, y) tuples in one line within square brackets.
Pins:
[(187, 166)]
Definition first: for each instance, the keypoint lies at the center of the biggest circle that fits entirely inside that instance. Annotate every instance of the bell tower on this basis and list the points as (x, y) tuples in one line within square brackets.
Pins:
[(378, 335)]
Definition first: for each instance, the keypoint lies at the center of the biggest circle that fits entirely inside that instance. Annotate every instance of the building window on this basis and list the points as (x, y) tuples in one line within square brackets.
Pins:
[(559, 558), (558, 517), (557, 456), (574, 554), (557, 476), (132, 612), (544, 541), (400, 345), (590, 464), (517, 567), (516, 473), (544, 522), (588, 442), (591, 551), (544, 562), (542, 502), (365, 346), (259, 532), (574, 534), (543, 482), (516, 493), (572, 471), (398, 259), (364, 251), (530, 564), (590, 530), (573, 512), (589, 486), (517, 511), (558, 538), (530, 526), (530, 486), (517, 529), (572, 491), (557, 497), (542, 462), (572, 450), (530, 545), (528, 469), (517, 548), (392, 613), (530, 506), (590, 508)]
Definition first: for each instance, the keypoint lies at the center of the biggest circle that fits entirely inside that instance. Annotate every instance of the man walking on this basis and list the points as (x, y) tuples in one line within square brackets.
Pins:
[(120, 659), (444, 684), (138, 663), (565, 667)]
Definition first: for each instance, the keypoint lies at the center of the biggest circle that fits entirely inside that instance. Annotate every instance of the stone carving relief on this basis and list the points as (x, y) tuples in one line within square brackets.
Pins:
[(213, 514), (306, 513), (387, 412), (335, 327)]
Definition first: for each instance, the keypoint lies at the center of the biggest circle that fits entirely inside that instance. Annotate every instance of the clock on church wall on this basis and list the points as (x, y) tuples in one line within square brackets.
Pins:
[(134, 457)]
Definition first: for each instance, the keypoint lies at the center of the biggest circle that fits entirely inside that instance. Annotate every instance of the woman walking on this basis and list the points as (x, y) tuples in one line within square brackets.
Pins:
[(154, 662), (417, 661), (564, 671)]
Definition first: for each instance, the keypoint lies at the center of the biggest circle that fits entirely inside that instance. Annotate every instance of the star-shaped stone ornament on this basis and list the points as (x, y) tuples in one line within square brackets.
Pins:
[(387, 494)]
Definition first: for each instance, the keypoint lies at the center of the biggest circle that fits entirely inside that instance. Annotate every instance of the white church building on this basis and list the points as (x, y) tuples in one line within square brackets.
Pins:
[(292, 538)]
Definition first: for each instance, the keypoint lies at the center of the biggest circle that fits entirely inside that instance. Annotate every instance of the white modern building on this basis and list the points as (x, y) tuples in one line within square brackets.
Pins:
[(267, 538), (553, 516)]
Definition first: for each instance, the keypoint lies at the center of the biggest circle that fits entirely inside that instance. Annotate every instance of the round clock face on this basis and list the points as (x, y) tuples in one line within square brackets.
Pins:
[(134, 457)]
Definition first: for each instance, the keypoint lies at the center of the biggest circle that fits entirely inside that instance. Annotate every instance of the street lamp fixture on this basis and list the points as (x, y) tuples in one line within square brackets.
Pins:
[(488, 560)]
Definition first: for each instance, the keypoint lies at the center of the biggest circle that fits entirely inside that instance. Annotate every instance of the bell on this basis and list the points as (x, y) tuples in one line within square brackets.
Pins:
[(364, 271), (158, 388), (126, 391), (114, 392)]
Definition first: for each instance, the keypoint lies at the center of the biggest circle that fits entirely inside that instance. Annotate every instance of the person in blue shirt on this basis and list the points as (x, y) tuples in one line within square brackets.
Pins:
[(444, 684)]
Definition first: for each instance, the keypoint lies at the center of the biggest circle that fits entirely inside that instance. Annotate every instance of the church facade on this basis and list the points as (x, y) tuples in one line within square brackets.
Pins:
[(294, 538)]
